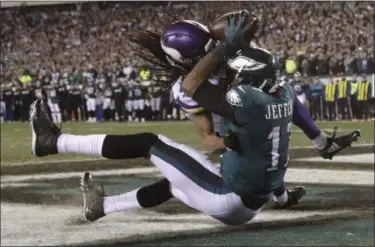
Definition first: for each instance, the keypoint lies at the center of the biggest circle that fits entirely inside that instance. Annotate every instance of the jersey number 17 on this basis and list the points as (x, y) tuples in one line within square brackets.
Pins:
[(280, 144)]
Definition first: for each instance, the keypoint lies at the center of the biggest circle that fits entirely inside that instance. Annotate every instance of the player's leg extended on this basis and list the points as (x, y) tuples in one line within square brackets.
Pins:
[(327, 146), (193, 179), (97, 204), (197, 182), (185, 168)]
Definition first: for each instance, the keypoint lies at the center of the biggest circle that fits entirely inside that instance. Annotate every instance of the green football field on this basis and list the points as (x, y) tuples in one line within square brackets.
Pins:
[(16, 137), (41, 202)]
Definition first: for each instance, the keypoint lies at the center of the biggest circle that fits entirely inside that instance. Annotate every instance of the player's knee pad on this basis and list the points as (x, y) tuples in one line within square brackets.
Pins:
[(128, 146)]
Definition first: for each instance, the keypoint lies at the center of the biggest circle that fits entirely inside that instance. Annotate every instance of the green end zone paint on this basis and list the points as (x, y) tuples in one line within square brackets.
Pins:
[(338, 209)]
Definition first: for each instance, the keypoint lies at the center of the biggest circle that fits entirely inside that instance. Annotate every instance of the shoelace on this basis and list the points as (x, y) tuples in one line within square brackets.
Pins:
[(332, 134)]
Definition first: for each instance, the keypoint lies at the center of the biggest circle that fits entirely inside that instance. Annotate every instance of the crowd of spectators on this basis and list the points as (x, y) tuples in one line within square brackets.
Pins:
[(316, 38)]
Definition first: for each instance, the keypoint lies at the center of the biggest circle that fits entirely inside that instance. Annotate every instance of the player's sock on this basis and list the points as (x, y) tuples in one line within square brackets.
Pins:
[(108, 146), (280, 195), (79, 144), (145, 197), (121, 202), (128, 146), (320, 141)]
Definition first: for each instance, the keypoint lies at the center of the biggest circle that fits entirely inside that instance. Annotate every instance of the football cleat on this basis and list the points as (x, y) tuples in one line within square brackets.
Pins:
[(336, 144), (294, 198), (93, 198), (44, 132)]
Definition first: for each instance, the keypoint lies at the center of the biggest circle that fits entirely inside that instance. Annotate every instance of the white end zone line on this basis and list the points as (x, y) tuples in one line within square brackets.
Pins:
[(294, 175), (101, 158)]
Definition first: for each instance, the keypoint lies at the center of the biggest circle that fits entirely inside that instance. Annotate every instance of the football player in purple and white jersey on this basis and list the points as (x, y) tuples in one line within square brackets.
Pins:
[(190, 176)]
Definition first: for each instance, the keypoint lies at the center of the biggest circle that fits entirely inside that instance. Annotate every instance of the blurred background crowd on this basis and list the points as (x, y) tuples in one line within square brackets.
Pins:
[(66, 49)]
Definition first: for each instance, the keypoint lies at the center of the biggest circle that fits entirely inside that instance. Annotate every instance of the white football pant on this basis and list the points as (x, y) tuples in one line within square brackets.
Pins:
[(197, 182)]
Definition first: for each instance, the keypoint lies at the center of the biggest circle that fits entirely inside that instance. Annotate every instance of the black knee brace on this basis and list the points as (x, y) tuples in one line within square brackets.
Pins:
[(128, 146), (154, 194)]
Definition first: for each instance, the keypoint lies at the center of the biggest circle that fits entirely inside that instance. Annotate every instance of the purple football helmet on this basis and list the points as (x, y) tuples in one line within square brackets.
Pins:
[(185, 42)]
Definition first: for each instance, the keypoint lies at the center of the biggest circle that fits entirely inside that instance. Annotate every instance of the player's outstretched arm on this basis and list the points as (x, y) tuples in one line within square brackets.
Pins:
[(204, 124), (211, 98)]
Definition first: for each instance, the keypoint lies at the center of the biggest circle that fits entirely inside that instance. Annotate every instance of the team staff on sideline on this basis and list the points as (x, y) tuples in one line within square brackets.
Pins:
[(363, 97), (330, 99), (345, 108), (316, 99)]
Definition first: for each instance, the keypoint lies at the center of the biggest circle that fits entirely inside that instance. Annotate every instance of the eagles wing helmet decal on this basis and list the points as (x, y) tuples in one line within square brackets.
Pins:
[(234, 98), (245, 63)]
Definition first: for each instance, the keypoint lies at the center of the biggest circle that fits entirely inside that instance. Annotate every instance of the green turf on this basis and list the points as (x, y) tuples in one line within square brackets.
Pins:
[(16, 137), (330, 234)]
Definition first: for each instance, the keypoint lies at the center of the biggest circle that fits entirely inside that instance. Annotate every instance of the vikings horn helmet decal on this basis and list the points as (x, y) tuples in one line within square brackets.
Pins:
[(185, 42)]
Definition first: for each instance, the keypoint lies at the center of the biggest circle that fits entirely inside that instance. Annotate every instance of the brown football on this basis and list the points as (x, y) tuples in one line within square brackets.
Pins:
[(217, 29)]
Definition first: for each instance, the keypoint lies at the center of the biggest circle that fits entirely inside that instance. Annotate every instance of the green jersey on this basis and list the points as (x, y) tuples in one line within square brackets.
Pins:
[(263, 125)]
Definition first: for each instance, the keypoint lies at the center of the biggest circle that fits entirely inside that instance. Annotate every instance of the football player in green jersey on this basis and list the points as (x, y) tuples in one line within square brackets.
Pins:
[(249, 173)]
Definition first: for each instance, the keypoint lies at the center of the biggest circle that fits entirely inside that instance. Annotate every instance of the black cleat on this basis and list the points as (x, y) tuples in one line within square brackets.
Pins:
[(44, 131), (93, 198), (294, 198), (336, 144)]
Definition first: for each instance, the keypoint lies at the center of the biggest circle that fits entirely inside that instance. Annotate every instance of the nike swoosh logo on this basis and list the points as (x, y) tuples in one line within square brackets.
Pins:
[(334, 147)]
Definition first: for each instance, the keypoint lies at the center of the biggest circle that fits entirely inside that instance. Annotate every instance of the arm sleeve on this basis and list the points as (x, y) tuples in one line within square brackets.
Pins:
[(212, 99)]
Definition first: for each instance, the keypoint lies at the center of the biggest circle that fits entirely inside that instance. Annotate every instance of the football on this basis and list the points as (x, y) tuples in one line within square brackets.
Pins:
[(217, 29)]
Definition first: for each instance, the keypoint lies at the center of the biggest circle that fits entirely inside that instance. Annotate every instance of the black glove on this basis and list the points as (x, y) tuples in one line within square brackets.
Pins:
[(231, 141), (235, 33)]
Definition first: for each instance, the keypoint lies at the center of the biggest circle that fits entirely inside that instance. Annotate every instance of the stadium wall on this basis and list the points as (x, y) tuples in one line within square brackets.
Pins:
[(16, 3), (371, 78)]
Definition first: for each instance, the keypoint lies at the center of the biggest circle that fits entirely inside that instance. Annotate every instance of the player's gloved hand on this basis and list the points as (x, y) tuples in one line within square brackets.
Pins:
[(235, 32), (231, 141), (336, 144)]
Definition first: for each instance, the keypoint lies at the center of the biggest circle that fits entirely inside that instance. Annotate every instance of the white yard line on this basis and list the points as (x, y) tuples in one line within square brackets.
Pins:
[(354, 158), (295, 175), (100, 158), (311, 147), (41, 162)]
